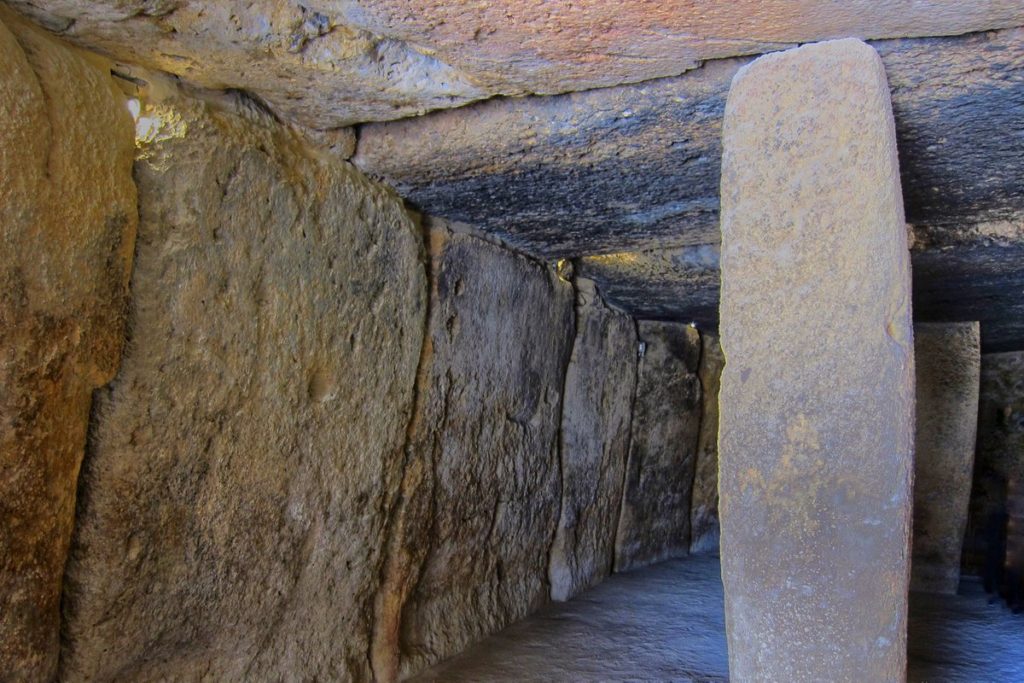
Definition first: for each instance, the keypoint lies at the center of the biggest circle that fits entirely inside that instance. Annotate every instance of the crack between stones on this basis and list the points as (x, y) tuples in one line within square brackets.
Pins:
[(560, 437), (383, 648), (629, 446)]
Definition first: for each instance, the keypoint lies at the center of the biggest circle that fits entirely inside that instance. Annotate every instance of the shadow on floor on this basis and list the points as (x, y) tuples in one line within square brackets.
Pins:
[(666, 623)]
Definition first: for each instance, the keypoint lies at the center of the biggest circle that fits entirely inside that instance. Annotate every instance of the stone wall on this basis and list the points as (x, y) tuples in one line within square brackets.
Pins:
[(998, 463), (704, 530), (338, 446), (599, 389), (482, 493), (243, 462), (946, 363), (655, 521), (67, 226)]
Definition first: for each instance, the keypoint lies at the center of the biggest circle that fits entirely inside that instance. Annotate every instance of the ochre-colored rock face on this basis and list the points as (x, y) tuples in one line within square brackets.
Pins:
[(327, 63), (481, 497), (947, 358), (655, 520), (67, 228), (817, 398), (244, 459), (598, 401), (704, 502)]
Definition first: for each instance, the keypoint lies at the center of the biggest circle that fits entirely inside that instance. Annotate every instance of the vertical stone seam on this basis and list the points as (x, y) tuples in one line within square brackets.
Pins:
[(560, 435), (700, 432), (638, 361), (384, 665)]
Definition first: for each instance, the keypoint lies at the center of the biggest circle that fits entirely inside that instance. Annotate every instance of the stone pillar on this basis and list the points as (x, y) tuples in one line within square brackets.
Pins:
[(817, 398), (948, 365)]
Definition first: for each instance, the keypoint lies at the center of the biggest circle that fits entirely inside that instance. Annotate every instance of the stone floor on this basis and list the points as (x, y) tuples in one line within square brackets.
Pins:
[(666, 623)]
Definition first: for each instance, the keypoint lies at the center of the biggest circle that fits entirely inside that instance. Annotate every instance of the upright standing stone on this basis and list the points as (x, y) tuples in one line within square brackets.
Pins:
[(704, 531), (67, 229), (655, 521), (817, 399), (948, 365)]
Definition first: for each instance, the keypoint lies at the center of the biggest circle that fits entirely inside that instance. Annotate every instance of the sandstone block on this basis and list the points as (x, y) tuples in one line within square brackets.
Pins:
[(596, 413), (244, 459), (704, 531), (947, 358), (482, 495), (655, 521), (817, 398), (67, 230)]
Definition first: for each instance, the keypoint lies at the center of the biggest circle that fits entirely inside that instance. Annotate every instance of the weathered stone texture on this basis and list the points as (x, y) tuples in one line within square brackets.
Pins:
[(947, 360), (482, 493), (600, 384), (637, 167), (655, 521), (704, 531), (67, 227), (327, 63), (817, 398), (243, 462), (999, 457)]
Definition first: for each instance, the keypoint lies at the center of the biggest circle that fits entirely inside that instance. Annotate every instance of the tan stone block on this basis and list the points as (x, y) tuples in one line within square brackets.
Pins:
[(817, 399), (67, 230)]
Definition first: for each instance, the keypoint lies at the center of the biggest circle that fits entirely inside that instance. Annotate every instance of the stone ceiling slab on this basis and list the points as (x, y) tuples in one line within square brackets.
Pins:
[(330, 63), (974, 273), (628, 168)]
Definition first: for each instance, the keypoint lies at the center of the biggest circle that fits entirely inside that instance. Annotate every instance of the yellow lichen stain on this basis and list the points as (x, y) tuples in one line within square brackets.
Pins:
[(155, 123)]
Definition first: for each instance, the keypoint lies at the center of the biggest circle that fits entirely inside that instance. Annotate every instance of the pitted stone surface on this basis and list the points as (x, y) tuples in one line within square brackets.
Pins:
[(243, 462), (329, 63), (655, 520), (600, 384), (482, 494), (67, 230), (816, 439), (947, 360), (704, 531)]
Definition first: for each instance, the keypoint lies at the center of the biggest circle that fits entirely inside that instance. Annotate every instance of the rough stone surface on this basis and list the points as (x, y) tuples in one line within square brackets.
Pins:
[(637, 167), (975, 279), (947, 360), (660, 284), (999, 456), (597, 407), (817, 397), (481, 497), (704, 531), (67, 228), (655, 521), (242, 464), (328, 63)]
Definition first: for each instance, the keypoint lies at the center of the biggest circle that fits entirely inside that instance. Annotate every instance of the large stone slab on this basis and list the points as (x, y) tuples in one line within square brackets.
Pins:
[(597, 408), (67, 230), (998, 463), (244, 460), (947, 361), (637, 167), (704, 528), (327, 63), (482, 494), (655, 521), (817, 398)]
